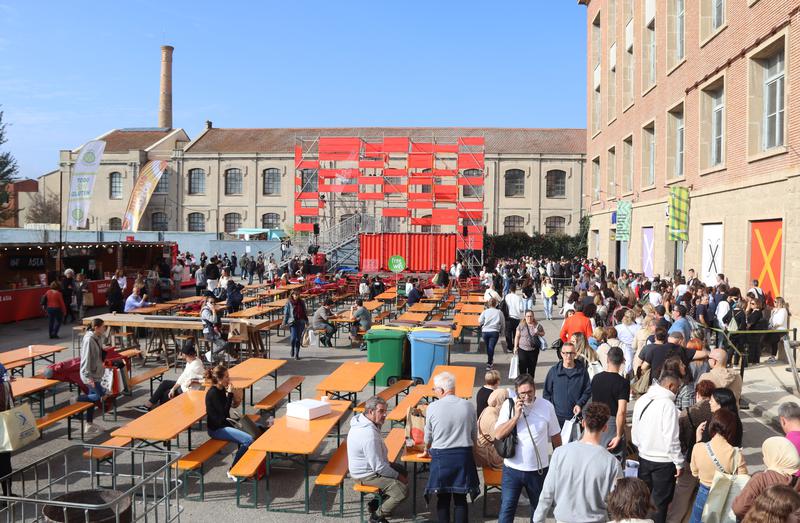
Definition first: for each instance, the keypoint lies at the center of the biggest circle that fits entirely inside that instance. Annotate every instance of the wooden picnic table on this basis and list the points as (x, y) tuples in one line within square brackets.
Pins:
[(422, 307), (273, 293), (470, 308), (247, 373), (386, 295), (22, 387), (156, 308), (32, 353), (187, 301), (292, 286), (165, 422), (473, 299), (465, 378), (414, 396), (297, 436), (470, 321), (416, 457), (349, 379), (253, 312), (413, 317), (373, 305)]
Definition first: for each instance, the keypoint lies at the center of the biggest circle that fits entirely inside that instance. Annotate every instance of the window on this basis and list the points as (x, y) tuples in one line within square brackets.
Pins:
[(197, 181), (712, 18), (675, 142), (233, 220), (158, 221), (513, 224), (597, 42), (773, 101), (611, 90), (429, 228), (115, 186), (717, 13), (554, 225), (163, 183), (270, 220), (628, 63), (272, 181), (649, 56), (627, 164), (472, 191), (391, 224), (596, 179), (233, 181), (766, 118), (515, 183), (611, 173), (716, 101), (556, 184), (310, 180), (115, 224), (676, 32), (196, 222), (649, 155)]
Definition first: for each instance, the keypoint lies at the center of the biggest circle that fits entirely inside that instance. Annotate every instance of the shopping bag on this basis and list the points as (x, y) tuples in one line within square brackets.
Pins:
[(549, 292), (305, 341), (415, 426), (571, 431), (543, 343), (107, 382), (594, 369), (513, 367), (724, 489), (17, 428)]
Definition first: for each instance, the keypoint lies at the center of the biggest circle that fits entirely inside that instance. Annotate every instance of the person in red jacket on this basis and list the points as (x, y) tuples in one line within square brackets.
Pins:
[(578, 322), (53, 302)]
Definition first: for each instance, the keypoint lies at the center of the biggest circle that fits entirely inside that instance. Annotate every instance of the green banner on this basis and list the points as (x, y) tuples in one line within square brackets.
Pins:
[(679, 214), (624, 211)]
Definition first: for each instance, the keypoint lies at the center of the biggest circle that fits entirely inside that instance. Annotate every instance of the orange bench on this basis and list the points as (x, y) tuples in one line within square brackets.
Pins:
[(68, 412)]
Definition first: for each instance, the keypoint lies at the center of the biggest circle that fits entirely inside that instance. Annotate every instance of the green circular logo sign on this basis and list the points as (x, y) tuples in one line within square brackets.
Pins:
[(77, 214), (397, 263), (88, 157)]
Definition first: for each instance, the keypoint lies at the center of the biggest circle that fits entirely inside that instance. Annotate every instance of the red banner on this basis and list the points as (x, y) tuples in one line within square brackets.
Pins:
[(420, 161), (470, 161), (396, 213), (766, 255)]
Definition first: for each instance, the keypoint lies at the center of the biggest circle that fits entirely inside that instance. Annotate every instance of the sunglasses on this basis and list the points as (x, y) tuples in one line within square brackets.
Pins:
[(568, 353)]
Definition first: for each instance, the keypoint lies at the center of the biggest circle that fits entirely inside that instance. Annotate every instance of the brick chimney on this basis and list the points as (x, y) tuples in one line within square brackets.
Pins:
[(165, 94)]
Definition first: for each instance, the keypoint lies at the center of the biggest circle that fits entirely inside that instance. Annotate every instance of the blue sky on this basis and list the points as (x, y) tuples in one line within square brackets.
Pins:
[(69, 71)]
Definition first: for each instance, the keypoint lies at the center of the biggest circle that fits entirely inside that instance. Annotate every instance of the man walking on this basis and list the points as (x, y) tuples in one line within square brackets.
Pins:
[(568, 385), (516, 308)]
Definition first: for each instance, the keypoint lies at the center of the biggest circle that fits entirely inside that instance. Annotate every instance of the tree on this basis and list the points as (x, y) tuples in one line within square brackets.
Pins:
[(43, 209), (8, 171)]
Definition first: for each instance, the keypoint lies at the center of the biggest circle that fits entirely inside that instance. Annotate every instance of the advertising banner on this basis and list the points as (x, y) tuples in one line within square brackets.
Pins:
[(624, 209), (82, 183), (679, 214), (143, 189)]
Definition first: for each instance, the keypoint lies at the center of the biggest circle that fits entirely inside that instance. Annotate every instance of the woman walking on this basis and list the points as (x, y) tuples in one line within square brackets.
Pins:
[(53, 301), (548, 297), (492, 323), (528, 344), (296, 318)]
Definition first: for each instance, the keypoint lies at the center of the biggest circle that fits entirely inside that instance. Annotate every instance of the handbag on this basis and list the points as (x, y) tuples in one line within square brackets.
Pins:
[(571, 431), (107, 381), (513, 367), (247, 425), (642, 383), (306, 340), (17, 428), (724, 489), (415, 426), (557, 344), (507, 446)]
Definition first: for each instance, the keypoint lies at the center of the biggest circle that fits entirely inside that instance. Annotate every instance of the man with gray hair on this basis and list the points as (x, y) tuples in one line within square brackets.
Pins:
[(789, 414), (368, 459)]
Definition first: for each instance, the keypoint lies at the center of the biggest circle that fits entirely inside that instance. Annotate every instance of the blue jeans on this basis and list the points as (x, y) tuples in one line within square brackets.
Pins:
[(94, 395), (296, 332), (490, 338), (513, 482), (241, 438), (548, 307), (699, 503), (54, 319)]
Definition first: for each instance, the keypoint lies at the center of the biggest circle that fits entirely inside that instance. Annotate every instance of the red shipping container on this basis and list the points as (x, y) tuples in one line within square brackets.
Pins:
[(423, 252)]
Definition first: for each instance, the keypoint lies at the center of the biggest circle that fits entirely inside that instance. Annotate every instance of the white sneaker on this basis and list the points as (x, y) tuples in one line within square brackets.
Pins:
[(230, 476), (209, 357), (91, 428)]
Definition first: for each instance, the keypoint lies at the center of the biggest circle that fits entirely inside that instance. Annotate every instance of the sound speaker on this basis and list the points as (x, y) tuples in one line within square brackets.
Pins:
[(464, 231), (316, 228)]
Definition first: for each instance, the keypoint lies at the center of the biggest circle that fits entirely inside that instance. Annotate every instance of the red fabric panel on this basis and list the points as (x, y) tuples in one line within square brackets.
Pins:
[(392, 212), (470, 205), (475, 215), (372, 163), (339, 187), (420, 161), (420, 180), (370, 180), (308, 164), (445, 189), (370, 196), (298, 155), (339, 144), (423, 252), (304, 227), (341, 173), (422, 147), (475, 181), (420, 204), (470, 161), (308, 196), (471, 140), (391, 188), (339, 156), (420, 196), (370, 148), (306, 211), (395, 172), (445, 217), (395, 145), (422, 221), (445, 172), (472, 241)]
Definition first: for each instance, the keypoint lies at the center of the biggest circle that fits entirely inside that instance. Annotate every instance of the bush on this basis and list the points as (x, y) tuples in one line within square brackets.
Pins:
[(517, 244)]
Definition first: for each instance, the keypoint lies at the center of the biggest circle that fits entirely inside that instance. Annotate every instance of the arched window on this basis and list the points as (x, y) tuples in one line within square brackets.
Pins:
[(270, 220), (554, 225), (513, 224), (115, 186), (197, 181), (233, 220), (515, 183), (163, 183), (158, 221), (272, 181), (472, 191), (556, 184), (196, 222), (310, 179), (114, 224), (233, 181)]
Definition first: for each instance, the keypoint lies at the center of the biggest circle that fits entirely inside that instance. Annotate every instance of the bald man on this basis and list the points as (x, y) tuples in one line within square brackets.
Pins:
[(720, 375)]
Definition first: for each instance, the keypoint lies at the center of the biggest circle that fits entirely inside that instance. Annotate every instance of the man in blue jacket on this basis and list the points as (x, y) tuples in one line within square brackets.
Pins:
[(567, 385)]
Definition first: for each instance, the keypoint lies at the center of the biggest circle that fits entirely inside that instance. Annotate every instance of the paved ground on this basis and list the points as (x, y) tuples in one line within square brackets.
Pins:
[(765, 388)]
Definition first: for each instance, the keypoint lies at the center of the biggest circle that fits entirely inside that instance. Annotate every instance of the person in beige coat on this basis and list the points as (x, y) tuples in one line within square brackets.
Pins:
[(485, 453), (720, 375)]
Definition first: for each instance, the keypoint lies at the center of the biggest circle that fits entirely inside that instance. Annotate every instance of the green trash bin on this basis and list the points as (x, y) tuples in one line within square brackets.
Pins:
[(388, 345)]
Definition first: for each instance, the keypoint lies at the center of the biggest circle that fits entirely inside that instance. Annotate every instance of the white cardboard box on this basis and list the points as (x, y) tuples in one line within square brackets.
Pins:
[(307, 409)]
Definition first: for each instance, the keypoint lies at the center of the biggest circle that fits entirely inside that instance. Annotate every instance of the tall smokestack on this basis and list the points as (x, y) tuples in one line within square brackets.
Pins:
[(165, 96)]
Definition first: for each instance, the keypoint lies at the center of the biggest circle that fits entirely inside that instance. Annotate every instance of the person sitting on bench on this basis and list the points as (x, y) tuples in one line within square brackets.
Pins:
[(191, 378)]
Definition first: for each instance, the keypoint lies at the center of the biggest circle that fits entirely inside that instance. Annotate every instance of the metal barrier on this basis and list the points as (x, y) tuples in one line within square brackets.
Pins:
[(743, 356)]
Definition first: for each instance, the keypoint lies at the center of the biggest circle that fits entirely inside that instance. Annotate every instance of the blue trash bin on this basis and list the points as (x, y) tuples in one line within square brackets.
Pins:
[(429, 347)]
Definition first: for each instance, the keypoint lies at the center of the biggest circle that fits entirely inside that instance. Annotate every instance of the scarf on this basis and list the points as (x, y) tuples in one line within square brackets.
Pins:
[(780, 455)]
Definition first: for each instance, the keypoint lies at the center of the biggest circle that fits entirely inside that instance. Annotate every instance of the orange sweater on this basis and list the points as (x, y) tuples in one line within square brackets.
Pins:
[(55, 300), (576, 323)]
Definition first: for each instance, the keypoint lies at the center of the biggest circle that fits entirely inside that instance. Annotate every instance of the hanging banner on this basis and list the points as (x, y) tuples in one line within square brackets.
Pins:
[(678, 214), (648, 251), (766, 256), (143, 189), (82, 183), (712, 252), (624, 210)]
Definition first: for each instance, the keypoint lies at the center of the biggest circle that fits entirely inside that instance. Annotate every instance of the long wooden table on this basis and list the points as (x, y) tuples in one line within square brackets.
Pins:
[(32, 353), (412, 317), (294, 436), (473, 299), (349, 379), (247, 373), (470, 308), (422, 307), (167, 421), (22, 387), (187, 301), (465, 378)]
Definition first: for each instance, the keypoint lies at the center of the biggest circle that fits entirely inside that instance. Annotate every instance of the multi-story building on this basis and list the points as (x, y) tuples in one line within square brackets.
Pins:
[(695, 94)]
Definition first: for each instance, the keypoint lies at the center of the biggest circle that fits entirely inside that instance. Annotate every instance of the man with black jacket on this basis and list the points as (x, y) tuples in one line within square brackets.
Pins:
[(212, 274), (567, 385)]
